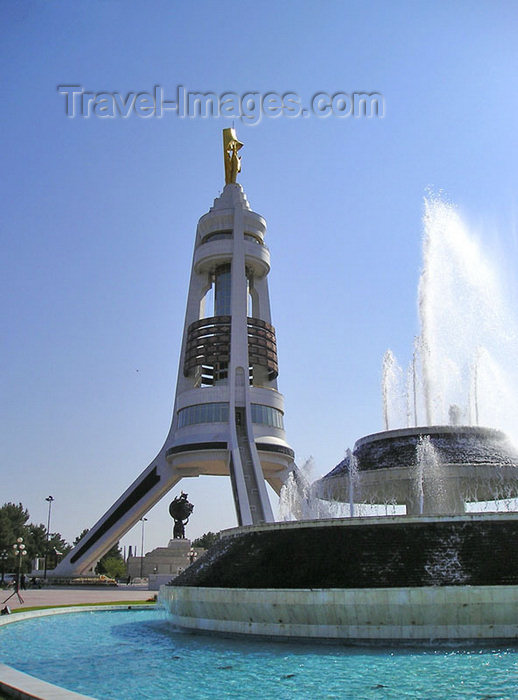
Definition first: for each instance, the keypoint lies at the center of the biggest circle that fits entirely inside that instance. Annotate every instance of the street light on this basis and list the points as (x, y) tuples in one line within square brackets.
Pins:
[(20, 552), (49, 500), (192, 555), (142, 520)]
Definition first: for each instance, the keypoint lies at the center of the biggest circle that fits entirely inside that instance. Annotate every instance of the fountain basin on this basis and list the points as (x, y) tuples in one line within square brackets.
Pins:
[(382, 578), (472, 464), (375, 615)]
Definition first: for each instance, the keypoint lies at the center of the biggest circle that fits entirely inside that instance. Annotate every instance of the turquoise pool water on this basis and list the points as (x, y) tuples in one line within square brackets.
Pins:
[(134, 654)]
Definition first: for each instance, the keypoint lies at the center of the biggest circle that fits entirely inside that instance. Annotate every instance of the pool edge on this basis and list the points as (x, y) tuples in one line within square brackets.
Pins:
[(18, 684), (399, 615)]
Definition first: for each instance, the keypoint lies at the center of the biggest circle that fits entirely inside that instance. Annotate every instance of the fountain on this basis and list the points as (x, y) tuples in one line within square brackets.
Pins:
[(436, 572), (433, 456)]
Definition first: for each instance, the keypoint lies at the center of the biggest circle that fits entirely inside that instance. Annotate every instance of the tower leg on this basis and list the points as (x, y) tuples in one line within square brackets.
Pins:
[(152, 485)]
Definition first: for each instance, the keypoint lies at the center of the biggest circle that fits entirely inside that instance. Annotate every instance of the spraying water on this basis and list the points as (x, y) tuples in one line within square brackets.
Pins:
[(429, 479), (393, 392), (465, 355), (353, 480), (297, 500), (463, 372)]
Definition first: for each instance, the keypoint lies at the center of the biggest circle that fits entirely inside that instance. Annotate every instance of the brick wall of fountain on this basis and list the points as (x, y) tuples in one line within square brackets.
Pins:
[(470, 550)]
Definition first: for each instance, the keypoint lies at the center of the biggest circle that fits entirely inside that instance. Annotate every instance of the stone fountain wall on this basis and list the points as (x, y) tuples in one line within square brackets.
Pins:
[(448, 465), (388, 552), (350, 616)]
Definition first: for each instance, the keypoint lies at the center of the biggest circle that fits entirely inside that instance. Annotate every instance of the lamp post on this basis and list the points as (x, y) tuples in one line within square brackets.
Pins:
[(49, 500), (192, 555), (20, 552), (142, 520), (3, 557)]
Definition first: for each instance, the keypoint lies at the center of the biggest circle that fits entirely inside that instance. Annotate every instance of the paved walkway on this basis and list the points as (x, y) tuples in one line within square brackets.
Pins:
[(75, 595)]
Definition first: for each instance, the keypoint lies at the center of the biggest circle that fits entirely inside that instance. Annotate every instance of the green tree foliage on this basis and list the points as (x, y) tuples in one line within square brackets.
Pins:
[(56, 550), (37, 545), (80, 536), (115, 552), (112, 563), (206, 540), (112, 567), (36, 540), (14, 523)]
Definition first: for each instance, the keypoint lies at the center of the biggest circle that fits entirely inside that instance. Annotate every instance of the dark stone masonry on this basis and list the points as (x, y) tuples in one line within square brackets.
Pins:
[(466, 445), (464, 551)]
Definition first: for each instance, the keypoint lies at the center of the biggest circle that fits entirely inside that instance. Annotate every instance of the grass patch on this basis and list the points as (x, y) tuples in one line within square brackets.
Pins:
[(122, 603)]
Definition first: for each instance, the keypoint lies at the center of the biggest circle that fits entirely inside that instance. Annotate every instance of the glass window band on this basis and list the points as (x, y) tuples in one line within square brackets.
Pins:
[(266, 415), (203, 413)]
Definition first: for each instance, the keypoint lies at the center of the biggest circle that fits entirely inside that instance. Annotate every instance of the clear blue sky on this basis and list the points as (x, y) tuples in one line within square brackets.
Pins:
[(99, 215)]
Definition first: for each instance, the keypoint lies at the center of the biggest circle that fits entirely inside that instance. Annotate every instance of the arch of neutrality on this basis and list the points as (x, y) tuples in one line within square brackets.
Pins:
[(228, 413)]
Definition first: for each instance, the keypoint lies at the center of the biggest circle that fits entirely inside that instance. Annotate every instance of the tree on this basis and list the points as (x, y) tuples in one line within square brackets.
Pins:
[(112, 564), (36, 540), (206, 540), (17, 516), (37, 544), (112, 567), (80, 536), (115, 552), (56, 550), (14, 523)]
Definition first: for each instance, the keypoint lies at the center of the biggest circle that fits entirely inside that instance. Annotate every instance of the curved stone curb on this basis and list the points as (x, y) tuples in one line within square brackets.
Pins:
[(20, 685), (17, 684), (389, 615), (18, 616)]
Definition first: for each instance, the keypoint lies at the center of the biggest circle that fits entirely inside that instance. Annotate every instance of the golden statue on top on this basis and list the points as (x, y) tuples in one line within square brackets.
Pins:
[(231, 146)]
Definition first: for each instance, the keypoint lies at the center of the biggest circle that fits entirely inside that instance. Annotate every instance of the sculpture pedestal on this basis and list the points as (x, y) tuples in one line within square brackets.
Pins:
[(162, 562)]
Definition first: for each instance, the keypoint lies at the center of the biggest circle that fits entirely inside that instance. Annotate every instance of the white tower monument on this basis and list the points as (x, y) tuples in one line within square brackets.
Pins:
[(228, 414)]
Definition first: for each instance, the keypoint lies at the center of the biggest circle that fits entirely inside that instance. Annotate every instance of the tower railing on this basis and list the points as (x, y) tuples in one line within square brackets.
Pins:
[(208, 346)]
